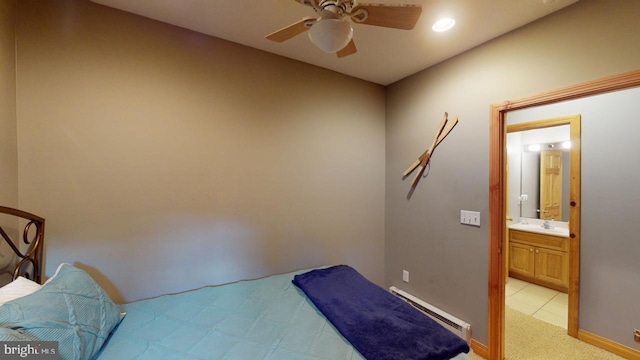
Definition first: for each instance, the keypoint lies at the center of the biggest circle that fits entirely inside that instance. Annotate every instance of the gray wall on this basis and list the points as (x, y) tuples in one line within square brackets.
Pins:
[(166, 160), (448, 262), (609, 250)]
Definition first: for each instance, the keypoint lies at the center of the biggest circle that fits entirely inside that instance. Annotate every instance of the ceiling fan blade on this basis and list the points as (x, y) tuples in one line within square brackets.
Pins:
[(393, 16), (290, 31), (347, 50)]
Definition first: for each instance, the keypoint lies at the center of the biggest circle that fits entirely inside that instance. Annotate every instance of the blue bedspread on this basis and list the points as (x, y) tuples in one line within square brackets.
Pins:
[(264, 319), (377, 323)]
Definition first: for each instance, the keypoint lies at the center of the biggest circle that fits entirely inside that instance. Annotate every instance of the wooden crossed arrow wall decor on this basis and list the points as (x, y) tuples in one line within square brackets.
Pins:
[(423, 160)]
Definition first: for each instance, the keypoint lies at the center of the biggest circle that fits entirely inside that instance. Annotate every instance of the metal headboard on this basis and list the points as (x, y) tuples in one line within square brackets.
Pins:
[(30, 262)]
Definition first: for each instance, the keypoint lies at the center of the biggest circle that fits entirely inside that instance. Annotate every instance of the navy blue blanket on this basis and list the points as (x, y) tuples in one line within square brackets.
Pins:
[(377, 323)]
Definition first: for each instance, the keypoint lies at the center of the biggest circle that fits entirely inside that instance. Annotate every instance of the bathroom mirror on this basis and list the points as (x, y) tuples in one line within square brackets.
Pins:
[(538, 172)]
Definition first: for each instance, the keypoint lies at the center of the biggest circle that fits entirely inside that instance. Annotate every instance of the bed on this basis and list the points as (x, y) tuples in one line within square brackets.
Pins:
[(308, 314)]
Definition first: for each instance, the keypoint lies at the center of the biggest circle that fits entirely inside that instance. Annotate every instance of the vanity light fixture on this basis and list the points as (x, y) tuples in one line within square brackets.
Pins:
[(534, 147), (566, 145), (443, 24)]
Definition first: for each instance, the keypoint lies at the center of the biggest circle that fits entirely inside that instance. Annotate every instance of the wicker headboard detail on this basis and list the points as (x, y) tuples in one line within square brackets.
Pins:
[(30, 261)]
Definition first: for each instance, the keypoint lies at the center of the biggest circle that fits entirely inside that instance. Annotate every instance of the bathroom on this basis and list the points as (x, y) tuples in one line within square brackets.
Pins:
[(538, 177)]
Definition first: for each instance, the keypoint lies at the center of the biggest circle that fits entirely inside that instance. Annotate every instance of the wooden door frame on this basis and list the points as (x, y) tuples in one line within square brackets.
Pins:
[(497, 198)]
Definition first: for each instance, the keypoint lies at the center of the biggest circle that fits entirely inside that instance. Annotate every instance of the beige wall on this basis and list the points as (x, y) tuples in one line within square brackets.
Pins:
[(8, 137), (165, 160), (448, 262)]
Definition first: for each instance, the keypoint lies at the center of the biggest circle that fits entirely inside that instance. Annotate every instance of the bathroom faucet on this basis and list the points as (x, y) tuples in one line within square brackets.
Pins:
[(547, 225)]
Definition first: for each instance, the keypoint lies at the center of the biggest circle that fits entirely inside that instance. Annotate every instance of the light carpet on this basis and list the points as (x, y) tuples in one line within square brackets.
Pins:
[(527, 338)]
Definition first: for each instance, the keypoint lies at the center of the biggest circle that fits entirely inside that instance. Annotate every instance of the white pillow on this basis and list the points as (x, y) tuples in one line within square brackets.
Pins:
[(18, 288)]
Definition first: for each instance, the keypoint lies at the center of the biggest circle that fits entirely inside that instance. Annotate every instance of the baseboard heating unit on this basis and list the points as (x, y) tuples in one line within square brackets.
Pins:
[(445, 319)]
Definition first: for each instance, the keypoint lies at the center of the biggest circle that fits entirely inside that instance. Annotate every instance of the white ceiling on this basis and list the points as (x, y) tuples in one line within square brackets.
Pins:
[(384, 55)]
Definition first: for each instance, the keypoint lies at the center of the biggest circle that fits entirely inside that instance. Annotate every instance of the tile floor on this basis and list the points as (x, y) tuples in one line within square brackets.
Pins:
[(540, 302)]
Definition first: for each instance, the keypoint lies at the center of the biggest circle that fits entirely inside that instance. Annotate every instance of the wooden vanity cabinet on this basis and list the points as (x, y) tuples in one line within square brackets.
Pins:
[(540, 259)]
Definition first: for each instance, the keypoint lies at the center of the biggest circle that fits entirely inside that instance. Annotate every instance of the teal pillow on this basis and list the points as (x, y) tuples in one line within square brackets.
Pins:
[(71, 308)]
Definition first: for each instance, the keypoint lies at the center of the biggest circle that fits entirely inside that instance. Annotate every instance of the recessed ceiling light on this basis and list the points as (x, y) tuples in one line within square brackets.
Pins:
[(443, 24)]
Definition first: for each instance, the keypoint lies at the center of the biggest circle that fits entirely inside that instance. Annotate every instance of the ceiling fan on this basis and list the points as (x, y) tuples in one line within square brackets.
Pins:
[(332, 33)]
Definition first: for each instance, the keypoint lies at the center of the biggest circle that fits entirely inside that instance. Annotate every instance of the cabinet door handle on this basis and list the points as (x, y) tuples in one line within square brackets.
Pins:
[(531, 250), (537, 251)]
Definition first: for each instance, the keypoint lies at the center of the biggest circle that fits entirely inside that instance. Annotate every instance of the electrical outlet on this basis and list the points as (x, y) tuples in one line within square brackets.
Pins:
[(470, 217), (405, 276)]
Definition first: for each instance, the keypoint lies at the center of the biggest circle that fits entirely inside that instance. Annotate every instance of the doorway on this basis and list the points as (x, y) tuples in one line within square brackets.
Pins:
[(542, 233), (497, 201)]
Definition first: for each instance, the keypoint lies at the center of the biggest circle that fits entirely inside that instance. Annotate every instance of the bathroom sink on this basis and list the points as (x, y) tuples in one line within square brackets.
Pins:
[(537, 228)]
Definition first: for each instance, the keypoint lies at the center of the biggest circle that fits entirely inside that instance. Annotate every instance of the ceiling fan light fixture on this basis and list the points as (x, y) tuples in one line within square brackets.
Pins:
[(443, 24), (331, 35)]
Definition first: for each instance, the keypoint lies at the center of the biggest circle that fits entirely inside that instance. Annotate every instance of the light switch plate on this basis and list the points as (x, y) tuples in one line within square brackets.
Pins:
[(470, 217)]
